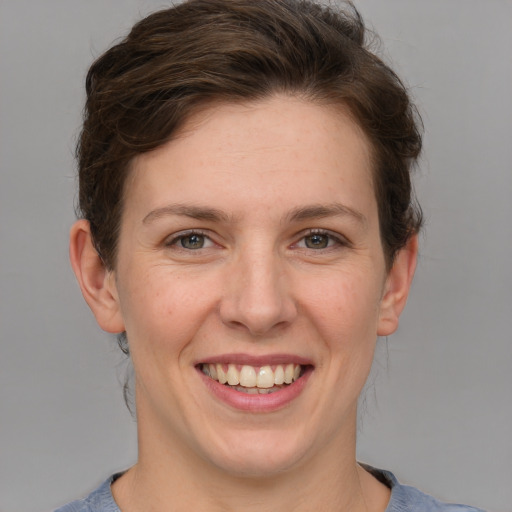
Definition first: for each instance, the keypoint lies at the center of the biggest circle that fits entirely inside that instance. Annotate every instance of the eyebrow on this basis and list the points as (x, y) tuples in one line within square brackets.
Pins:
[(319, 211), (310, 212), (184, 210)]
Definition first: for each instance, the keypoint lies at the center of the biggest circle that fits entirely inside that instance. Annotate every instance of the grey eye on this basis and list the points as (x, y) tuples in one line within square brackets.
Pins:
[(316, 241), (193, 241)]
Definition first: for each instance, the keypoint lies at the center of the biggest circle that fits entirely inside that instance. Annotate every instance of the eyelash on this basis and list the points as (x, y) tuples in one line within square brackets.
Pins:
[(332, 240)]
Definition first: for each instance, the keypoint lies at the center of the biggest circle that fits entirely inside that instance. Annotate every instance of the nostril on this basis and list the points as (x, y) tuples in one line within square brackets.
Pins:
[(234, 324), (257, 331)]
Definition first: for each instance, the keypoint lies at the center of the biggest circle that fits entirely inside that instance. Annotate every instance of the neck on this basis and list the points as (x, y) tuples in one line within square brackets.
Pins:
[(147, 488), (170, 476)]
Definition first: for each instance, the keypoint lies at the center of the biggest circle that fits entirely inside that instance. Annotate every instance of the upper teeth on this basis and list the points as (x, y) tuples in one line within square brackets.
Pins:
[(250, 376)]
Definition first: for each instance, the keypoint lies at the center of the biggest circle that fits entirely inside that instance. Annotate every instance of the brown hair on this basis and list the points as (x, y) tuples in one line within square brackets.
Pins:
[(141, 91)]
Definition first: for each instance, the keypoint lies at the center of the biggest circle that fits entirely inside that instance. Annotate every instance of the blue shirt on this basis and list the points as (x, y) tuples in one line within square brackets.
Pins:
[(403, 498)]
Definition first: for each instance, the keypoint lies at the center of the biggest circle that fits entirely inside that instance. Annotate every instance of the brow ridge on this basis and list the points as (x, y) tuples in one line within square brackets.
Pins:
[(302, 213), (318, 211), (186, 210)]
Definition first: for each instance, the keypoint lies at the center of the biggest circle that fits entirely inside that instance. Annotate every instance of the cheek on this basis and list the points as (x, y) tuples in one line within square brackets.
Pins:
[(345, 306), (344, 312), (163, 309)]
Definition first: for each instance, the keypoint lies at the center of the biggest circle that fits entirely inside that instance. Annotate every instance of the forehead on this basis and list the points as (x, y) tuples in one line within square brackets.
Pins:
[(282, 147)]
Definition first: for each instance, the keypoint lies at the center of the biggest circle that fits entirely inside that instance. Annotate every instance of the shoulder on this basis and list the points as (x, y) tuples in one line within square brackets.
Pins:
[(100, 500), (409, 499)]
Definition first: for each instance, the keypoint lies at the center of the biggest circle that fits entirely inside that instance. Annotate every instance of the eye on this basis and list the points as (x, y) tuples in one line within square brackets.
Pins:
[(318, 240), (191, 241), (194, 241)]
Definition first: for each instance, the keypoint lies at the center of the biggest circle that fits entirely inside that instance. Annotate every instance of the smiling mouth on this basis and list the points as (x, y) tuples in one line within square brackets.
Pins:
[(254, 379)]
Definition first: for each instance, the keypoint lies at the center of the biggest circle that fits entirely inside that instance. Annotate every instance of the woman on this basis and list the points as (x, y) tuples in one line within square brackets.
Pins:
[(248, 228)]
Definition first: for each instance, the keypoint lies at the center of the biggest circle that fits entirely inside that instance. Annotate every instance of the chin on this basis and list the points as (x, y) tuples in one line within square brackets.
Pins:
[(259, 455)]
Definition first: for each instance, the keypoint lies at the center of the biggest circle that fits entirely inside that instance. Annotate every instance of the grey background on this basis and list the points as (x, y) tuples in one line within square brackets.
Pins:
[(438, 411)]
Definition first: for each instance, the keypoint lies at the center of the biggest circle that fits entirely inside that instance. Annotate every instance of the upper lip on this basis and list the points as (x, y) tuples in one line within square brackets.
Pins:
[(257, 361)]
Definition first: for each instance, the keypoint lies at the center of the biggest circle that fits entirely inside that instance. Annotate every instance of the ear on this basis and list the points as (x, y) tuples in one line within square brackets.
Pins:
[(396, 288), (96, 282)]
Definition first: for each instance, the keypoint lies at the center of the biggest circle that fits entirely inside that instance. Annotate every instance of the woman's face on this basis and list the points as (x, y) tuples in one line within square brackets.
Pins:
[(250, 245)]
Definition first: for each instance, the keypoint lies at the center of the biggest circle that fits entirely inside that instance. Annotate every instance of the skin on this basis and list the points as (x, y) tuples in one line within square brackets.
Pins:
[(257, 287)]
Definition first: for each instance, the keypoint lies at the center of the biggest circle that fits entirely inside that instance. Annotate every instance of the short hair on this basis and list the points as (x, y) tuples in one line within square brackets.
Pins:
[(176, 61)]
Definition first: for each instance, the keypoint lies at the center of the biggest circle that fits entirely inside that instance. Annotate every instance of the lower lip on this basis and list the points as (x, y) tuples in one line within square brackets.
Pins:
[(257, 403)]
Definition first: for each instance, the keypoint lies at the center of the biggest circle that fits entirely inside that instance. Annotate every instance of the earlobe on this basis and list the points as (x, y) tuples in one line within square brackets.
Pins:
[(96, 282), (396, 288)]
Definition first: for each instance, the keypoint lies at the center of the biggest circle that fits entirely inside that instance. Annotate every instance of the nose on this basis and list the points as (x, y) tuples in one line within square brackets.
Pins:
[(256, 297)]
